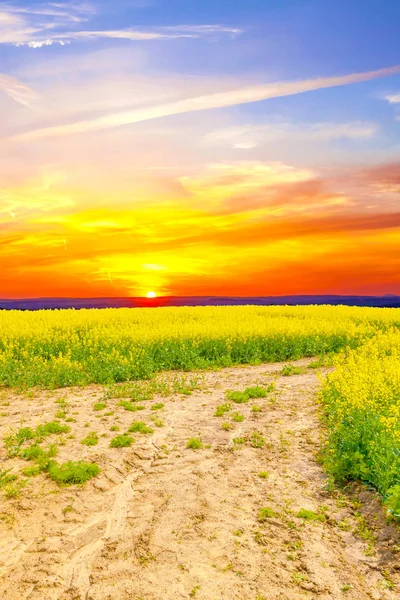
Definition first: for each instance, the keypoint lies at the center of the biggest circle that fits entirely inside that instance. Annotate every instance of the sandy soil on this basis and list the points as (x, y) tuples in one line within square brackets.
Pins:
[(165, 522)]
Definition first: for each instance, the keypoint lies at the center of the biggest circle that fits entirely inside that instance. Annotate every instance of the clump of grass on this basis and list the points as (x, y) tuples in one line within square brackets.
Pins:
[(114, 428), (222, 409), (289, 370), (127, 405), (238, 441), (194, 444), (54, 427), (140, 427), (92, 439), (12, 490), (6, 477), (257, 440), (263, 474), (71, 472), (255, 408), (227, 426), (121, 441), (265, 513), (310, 515), (238, 397), (237, 417), (99, 406), (158, 406), (256, 392), (158, 422)]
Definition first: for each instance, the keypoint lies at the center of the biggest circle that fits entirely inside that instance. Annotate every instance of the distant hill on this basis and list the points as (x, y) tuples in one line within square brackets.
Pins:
[(388, 301)]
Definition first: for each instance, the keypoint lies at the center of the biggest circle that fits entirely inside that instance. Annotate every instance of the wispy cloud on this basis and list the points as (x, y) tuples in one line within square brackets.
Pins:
[(393, 99), (18, 91), (251, 136), (54, 23), (244, 95)]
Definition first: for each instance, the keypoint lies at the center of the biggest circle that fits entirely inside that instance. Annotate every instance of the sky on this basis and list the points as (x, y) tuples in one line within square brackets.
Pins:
[(199, 148)]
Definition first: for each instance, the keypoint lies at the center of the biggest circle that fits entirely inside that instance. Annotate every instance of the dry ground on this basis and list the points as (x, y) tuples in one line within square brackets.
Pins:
[(163, 522)]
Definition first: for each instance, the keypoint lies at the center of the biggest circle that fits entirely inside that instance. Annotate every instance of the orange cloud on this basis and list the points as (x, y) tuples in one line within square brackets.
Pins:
[(244, 229)]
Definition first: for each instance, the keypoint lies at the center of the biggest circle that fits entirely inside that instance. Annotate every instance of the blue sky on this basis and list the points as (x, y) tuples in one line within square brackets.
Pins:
[(127, 104)]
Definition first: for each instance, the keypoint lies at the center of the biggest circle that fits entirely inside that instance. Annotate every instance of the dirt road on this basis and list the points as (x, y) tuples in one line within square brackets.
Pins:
[(165, 522)]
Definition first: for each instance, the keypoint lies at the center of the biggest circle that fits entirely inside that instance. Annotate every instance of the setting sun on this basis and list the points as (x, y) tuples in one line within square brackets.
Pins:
[(151, 295)]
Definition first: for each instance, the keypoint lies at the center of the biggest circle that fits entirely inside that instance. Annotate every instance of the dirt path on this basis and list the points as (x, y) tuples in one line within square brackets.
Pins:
[(163, 522)]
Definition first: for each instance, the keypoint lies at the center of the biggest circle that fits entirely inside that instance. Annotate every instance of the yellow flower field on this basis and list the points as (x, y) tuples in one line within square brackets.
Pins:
[(361, 397)]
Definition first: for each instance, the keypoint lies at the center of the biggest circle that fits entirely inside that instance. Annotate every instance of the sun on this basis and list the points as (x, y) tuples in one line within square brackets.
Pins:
[(151, 295)]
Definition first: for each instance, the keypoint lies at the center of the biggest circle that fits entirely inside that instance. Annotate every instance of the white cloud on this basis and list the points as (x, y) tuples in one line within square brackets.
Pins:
[(249, 137), (18, 91), (53, 23), (249, 94), (394, 99)]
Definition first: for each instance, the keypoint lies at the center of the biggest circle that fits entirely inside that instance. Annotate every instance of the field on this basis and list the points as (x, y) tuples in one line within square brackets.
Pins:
[(166, 449)]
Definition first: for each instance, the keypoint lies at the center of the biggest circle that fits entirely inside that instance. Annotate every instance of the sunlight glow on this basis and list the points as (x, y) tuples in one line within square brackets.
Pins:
[(151, 295)]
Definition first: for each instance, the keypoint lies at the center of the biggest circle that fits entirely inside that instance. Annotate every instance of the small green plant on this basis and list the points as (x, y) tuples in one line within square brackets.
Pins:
[(222, 409), (127, 405), (227, 426), (6, 478), (157, 406), (52, 428), (92, 439), (257, 440), (238, 397), (309, 515), (121, 441), (13, 490), (263, 474), (194, 444), (256, 392), (237, 417), (265, 513), (255, 408), (238, 441), (71, 472), (194, 591), (140, 427), (114, 428), (289, 370), (99, 406)]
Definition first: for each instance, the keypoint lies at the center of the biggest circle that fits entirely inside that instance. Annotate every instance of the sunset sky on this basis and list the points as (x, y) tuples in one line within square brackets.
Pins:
[(196, 147)]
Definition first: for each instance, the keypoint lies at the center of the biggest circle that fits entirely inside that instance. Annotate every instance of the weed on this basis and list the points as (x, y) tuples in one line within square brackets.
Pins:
[(92, 439), (310, 515), (265, 513), (99, 406), (255, 408), (237, 417), (238, 397), (140, 427), (157, 406), (227, 426), (289, 370), (194, 444), (71, 472), (13, 490), (194, 591), (6, 478), (239, 441), (121, 441), (130, 406), (257, 440), (222, 409), (256, 392), (263, 474), (114, 428)]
